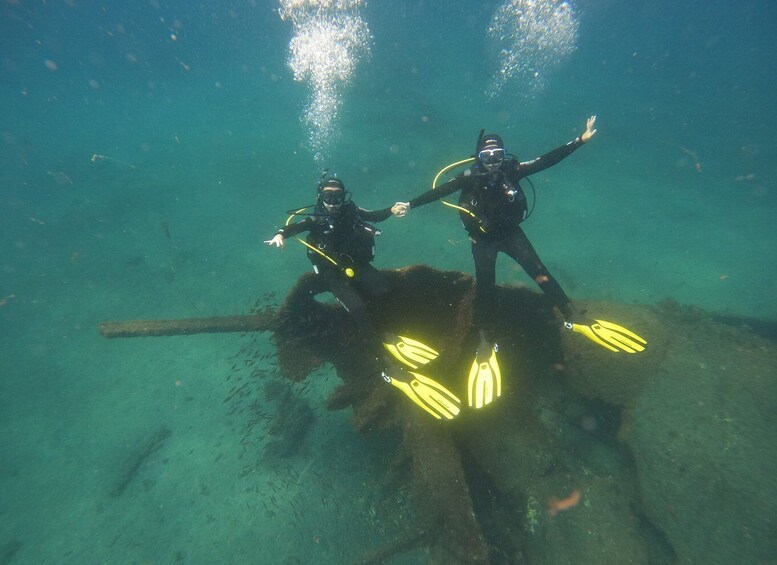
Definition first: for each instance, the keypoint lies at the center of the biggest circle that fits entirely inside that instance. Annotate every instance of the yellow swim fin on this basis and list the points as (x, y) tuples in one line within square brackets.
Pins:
[(610, 336), (425, 392), (485, 379), (409, 351)]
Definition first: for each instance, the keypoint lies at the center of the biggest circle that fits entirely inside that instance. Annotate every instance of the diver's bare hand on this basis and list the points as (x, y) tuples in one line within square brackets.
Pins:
[(590, 131), (400, 209), (277, 241)]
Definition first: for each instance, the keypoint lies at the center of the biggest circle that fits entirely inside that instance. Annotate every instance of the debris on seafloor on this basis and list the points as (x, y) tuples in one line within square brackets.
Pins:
[(556, 505), (136, 457)]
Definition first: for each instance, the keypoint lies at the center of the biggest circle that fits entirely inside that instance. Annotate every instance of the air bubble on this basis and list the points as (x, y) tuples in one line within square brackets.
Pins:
[(330, 39), (529, 39)]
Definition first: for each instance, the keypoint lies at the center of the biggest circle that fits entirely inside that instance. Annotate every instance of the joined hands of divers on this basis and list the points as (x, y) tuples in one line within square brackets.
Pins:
[(400, 209)]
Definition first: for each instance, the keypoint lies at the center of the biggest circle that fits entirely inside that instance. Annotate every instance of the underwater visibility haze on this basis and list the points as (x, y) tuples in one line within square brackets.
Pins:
[(149, 150)]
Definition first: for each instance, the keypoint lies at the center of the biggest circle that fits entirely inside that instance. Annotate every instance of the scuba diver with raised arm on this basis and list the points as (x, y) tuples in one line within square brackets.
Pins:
[(341, 245), (492, 206)]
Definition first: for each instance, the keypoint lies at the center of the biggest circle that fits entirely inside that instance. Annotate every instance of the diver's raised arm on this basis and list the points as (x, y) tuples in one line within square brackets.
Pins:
[(550, 158)]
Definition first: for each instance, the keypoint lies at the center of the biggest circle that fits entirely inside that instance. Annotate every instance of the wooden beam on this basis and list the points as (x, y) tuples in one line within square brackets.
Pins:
[(260, 322)]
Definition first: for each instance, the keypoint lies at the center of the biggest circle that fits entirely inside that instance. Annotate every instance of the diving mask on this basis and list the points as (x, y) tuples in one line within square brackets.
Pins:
[(332, 199), (491, 156)]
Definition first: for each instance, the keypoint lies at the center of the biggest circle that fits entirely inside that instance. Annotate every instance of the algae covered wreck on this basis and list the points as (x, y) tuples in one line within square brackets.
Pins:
[(585, 455)]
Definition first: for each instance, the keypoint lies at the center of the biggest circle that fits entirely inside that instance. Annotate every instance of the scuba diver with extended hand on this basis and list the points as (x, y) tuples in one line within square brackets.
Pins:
[(492, 206), (341, 246)]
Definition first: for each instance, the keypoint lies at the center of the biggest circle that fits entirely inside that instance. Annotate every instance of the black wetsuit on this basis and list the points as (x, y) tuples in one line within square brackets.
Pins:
[(347, 238), (497, 206)]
